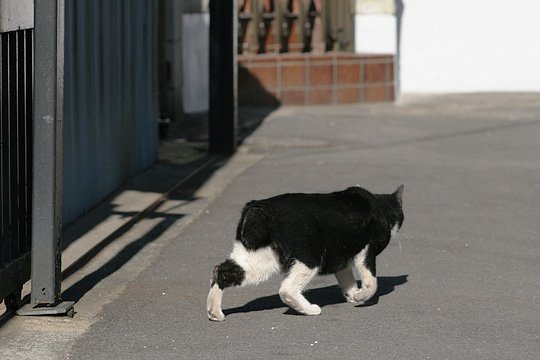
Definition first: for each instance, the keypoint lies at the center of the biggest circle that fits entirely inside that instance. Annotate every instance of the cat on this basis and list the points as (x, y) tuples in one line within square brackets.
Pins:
[(303, 235)]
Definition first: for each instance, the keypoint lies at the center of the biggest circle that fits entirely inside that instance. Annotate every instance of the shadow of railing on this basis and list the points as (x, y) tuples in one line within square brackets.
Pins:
[(76, 291), (196, 173)]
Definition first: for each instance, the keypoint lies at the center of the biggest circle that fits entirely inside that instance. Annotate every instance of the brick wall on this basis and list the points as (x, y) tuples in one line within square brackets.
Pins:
[(306, 79)]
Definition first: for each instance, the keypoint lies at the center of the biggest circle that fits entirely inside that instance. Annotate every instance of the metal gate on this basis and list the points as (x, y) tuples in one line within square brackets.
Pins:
[(16, 156), (31, 103)]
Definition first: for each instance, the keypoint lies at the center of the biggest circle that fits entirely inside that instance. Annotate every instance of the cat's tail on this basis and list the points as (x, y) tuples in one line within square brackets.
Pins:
[(253, 229)]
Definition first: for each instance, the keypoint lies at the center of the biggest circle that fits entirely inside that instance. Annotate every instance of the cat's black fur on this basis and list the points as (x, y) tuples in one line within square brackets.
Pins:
[(321, 230), (314, 231)]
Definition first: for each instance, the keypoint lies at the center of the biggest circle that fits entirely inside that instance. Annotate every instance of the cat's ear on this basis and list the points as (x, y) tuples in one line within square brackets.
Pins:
[(399, 194)]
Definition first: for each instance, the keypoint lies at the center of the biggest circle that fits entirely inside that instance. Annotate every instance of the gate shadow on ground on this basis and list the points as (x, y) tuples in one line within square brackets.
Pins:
[(185, 193), (328, 295), (81, 287)]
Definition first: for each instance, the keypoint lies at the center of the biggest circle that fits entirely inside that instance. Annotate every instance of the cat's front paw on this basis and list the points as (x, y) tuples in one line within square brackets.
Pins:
[(313, 310), (216, 315), (363, 295)]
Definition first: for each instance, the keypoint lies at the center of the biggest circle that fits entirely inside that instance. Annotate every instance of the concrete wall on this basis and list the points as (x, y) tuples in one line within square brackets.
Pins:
[(16, 15), (463, 46), (172, 105), (195, 6), (111, 110)]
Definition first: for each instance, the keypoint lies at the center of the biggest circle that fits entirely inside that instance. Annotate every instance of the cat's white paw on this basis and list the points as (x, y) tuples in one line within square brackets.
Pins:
[(363, 295), (349, 297), (216, 315), (313, 310)]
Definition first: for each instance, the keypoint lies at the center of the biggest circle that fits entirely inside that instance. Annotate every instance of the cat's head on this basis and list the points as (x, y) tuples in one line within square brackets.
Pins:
[(395, 215)]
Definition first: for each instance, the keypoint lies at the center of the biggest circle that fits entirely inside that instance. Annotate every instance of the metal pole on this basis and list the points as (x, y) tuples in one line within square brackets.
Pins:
[(223, 112), (47, 160)]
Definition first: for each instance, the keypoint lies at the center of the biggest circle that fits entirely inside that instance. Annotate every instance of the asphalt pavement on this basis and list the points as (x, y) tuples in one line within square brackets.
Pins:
[(460, 281)]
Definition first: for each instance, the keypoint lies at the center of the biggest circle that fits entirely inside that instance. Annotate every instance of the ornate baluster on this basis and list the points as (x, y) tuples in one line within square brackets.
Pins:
[(264, 32), (244, 18), (313, 12), (288, 30)]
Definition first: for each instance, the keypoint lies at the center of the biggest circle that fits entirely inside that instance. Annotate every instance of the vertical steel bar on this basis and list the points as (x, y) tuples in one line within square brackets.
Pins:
[(3, 118), (29, 120), (60, 43), (47, 151), (4, 194), (223, 112), (12, 145), (21, 142)]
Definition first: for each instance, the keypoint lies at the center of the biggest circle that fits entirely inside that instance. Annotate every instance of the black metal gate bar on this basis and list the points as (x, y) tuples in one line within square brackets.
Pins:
[(23, 137), (29, 105), (15, 184), (12, 146), (4, 149)]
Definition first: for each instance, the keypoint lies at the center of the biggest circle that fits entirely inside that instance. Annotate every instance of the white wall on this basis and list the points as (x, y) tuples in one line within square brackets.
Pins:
[(470, 45), (375, 27), (375, 33)]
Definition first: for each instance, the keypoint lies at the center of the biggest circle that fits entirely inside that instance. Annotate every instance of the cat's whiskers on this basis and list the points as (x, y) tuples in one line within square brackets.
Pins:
[(406, 237), (398, 238), (409, 239)]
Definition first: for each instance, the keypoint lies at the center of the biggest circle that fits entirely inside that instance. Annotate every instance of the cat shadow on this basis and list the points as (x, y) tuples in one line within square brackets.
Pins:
[(328, 295)]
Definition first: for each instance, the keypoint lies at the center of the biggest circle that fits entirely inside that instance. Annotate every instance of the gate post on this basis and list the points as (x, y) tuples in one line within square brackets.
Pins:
[(223, 110), (47, 160)]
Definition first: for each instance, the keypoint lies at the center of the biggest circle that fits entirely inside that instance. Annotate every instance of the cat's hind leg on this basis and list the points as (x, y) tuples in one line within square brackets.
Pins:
[(226, 274), (243, 267), (347, 283), (298, 277)]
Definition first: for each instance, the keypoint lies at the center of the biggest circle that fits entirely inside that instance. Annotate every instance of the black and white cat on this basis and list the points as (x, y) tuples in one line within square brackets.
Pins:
[(302, 235)]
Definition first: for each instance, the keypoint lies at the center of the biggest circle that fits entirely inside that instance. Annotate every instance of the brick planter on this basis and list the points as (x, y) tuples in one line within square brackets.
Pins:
[(308, 79)]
